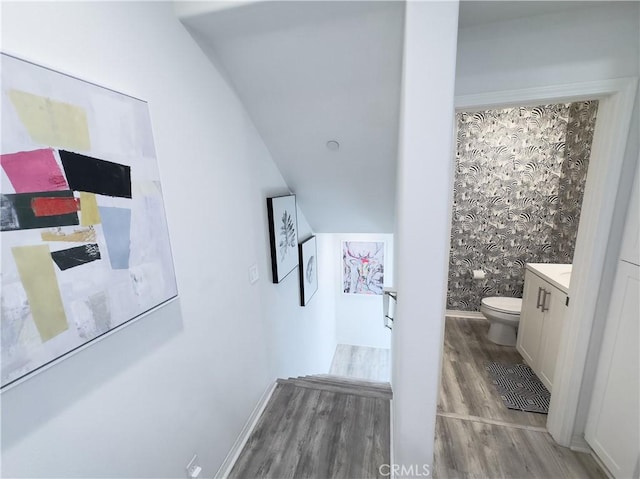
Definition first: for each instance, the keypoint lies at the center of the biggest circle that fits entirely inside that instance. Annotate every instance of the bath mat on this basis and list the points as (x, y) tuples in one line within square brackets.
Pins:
[(519, 387)]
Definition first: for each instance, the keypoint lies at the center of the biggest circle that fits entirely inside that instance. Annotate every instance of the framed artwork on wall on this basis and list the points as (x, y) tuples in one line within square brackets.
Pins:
[(308, 270), (283, 235), (84, 239), (363, 267)]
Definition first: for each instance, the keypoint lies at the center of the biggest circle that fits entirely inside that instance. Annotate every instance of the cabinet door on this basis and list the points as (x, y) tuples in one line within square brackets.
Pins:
[(555, 301), (531, 320), (612, 425)]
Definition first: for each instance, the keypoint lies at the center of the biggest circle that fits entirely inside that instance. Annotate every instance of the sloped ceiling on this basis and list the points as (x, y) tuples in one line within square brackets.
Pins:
[(313, 71)]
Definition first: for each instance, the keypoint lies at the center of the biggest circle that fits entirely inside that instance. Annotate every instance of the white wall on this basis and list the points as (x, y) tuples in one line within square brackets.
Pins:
[(581, 45), (358, 318), (424, 193), (594, 44), (185, 378), (302, 340)]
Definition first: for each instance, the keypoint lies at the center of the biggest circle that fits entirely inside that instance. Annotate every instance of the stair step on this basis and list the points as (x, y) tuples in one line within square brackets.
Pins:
[(344, 388), (384, 388), (351, 380)]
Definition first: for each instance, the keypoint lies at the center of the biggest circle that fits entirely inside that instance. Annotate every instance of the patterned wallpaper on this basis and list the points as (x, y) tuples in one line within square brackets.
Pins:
[(520, 175)]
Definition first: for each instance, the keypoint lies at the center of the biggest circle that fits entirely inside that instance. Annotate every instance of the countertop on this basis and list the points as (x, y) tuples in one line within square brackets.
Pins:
[(558, 275)]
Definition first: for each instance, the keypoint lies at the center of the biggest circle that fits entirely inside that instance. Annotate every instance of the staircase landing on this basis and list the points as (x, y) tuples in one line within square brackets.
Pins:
[(319, 427)]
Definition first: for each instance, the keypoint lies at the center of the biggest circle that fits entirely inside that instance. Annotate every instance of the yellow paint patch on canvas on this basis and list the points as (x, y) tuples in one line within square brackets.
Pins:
[(50, 122), (89, 214), (78, 235), (38, 277)]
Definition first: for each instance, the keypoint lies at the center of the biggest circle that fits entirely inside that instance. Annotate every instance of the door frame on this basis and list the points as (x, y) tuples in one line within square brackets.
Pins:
[(616, 101)]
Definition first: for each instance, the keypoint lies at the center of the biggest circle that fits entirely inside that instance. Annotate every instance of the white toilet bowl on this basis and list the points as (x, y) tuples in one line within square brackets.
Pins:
[(504, 316)]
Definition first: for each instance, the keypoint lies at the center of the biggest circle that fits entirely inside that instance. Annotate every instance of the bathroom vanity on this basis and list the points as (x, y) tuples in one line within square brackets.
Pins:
[(545, 299)]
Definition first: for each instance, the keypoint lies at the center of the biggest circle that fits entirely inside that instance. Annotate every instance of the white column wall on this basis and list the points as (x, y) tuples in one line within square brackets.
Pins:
[(424, 191)]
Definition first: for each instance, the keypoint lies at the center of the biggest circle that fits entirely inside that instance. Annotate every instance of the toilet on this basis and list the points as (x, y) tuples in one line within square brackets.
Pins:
[(504, 316)]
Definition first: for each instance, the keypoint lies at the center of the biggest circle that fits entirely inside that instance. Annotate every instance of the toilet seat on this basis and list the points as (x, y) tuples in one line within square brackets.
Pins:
[(503, 305), (503, 315)]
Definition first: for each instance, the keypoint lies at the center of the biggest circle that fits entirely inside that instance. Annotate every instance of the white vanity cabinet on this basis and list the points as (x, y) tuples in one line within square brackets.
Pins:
[(542, 317), (531, 319)]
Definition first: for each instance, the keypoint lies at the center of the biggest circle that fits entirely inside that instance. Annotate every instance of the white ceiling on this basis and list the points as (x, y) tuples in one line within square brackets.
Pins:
[(310, 72), (313, 71)]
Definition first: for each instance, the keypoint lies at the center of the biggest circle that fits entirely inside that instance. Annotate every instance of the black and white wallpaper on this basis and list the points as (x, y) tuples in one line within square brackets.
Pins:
[(520, 176)]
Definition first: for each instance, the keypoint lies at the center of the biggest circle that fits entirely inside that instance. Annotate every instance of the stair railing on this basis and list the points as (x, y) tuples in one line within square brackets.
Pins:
[(389, 301)]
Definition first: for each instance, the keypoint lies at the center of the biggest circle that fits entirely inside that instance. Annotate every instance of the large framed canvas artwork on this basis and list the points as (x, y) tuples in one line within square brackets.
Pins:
[(84, 239), (283, 235), (363, 267), (308, 270)]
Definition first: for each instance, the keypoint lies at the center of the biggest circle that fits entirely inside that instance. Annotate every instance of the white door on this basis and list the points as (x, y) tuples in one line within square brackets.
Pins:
[(613, 427)]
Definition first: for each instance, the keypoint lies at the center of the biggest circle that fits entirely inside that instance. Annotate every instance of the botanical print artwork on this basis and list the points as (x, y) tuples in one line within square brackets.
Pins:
[(84, 240), (283, 235), (308, 271), (518, 189), (363, 267), (287, 235)]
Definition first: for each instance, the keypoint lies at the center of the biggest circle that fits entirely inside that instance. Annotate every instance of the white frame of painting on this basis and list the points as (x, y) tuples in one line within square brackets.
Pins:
[(384, 255), (308, 251), (282, 265), (55, 87)]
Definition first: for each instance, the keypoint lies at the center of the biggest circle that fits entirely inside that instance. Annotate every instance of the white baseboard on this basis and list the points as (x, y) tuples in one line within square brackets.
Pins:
[(604, 468), (242, 439), (464, 314), (579, 444)]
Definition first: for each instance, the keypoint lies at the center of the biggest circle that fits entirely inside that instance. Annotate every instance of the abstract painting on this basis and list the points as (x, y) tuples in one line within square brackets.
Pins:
[(283, 235), (363, 267), (84, 239), (308, 270)]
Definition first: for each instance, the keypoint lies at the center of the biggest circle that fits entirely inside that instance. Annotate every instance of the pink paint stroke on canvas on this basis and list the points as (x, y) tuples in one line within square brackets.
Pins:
[(33, 171)]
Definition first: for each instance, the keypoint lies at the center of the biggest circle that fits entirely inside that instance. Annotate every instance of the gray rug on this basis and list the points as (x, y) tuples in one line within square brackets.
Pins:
[(519, 387)]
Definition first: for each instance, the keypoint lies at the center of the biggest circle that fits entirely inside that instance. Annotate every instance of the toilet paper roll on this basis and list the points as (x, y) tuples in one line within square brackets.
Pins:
[(478, 274)]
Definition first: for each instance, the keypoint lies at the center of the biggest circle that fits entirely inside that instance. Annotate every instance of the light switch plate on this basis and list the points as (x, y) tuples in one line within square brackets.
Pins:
[(254, 276)]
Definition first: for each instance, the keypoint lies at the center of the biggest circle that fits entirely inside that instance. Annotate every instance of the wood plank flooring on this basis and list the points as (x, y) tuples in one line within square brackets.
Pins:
[(476, 435), (307, 431), (362, 362), (471, 449), (465, 385)]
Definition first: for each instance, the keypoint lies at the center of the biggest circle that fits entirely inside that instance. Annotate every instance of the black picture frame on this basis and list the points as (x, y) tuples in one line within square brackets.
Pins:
[(283, 235), (308, 269)]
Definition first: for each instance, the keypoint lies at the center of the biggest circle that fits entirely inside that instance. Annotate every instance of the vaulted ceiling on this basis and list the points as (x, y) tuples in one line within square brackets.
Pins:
[(312, 72)]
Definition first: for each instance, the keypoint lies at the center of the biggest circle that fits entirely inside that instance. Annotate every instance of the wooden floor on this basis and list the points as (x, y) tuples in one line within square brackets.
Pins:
[(373, 364), (465, 387), (476, 435), (319, 427)]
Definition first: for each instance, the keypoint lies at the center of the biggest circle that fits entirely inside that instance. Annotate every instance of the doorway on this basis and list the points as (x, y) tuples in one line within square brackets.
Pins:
[(616, 100), (518, 190)]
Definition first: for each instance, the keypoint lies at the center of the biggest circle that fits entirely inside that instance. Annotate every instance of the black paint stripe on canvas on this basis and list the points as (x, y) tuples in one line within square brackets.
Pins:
[(69, 258), (92, 175), (16, 212)]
